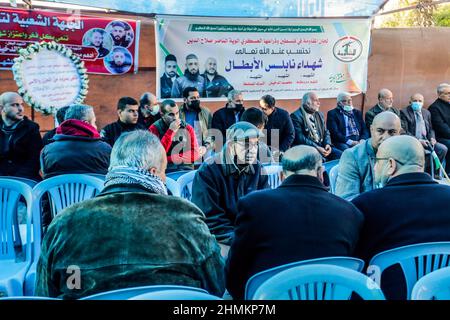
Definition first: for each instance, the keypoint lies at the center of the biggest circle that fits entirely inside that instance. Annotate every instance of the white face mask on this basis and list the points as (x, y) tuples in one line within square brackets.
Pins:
[(155, 110), (347, 108)]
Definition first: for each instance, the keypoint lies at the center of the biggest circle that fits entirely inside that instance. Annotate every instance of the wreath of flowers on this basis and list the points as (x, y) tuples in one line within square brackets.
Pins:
[(28, 53)]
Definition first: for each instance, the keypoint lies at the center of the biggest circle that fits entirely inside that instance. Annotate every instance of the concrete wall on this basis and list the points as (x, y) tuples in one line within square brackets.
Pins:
[(403, 60)]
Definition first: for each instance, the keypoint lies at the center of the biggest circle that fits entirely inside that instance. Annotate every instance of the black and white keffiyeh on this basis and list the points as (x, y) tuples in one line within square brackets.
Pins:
[(130, 175)]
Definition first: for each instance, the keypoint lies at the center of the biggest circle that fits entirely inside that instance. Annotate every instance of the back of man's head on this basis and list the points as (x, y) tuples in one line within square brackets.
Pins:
[(303, 160), (80, 112), (61, 114), (124, 101), (255, 116)]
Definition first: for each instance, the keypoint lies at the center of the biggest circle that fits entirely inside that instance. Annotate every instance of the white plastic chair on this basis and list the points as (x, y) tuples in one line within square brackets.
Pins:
[(185, 184), (333, 178), (273, 172)]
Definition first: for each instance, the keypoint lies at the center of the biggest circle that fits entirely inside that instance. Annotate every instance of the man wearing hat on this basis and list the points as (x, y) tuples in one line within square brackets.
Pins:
[(223, 179), (169, 76)]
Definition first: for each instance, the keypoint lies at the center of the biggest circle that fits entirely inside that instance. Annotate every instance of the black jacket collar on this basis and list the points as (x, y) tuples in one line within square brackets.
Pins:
[(303, 180), (411, 179)]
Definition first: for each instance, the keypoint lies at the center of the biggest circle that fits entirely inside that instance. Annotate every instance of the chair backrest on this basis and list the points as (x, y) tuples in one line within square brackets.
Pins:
[(127, 293), (11, 192), (333, 178), (27, 181), (318, 282), (257, 279), (64, 191), (433, 286), (185, 184), (416, 261), (273, 173), (330, 164), (173, 187), (178, 294), (29, 298)]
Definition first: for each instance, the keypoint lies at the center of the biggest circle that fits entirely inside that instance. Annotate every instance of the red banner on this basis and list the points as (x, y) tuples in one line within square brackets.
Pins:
[(107, 46)]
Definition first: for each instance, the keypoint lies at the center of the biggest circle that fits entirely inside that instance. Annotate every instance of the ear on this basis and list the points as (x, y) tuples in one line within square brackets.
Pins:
[(118, 112), (392, 167), (153, 170), (320, 172)]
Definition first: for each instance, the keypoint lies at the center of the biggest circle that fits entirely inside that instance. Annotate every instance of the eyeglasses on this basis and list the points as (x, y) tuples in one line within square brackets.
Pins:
[(401, 163), (247, 145)]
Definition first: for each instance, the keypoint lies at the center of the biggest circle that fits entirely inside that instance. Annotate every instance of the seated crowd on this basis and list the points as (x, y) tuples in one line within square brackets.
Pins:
[(133, 233)]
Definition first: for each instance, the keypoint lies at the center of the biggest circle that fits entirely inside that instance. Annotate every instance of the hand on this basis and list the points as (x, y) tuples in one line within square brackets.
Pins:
[(175, 125), (433, 141), (328, 150), (322, 151), (424, 143), (361, 141), (355, 143), (202, 150)]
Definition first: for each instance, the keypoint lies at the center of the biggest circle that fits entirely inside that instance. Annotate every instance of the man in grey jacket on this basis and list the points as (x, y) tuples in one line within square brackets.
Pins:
[(355, 173)]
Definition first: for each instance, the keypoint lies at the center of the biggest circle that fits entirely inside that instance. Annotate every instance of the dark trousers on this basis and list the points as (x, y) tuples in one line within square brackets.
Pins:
[(445, 142)]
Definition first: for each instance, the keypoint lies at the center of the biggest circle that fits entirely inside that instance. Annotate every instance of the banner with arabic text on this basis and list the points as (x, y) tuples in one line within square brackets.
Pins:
[(281, 57), (107, 46)]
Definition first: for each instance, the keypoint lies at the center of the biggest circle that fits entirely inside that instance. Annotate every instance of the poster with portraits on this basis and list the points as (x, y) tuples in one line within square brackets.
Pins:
[(106, 46)]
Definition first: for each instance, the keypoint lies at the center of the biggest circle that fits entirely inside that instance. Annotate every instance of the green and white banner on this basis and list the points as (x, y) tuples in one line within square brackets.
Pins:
[(281, 57)]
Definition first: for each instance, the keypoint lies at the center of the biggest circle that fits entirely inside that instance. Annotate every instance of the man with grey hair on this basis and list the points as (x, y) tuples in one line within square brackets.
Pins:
[(132, 234), (346, 124), (440, 117), (191, 78), (410, 208), (385, 103), (355, 173), (148, 109), (310, 129), (270, 231), (20, 140), (77, 146)]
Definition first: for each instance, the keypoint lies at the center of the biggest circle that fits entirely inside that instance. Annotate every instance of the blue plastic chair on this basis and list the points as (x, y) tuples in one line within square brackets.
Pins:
[(173, 187), (273, 172), (257, 279), (185, 184), (333, 178), (318, 282), (12, 272), (64, 190), (178, 294), (416, 261), (330, 164), (31, 183), (127, 293), (433, 286), (29, 298)]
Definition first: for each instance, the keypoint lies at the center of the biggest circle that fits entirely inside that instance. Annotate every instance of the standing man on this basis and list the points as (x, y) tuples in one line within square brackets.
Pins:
[(20, 140), (215, 84), (385, 101), (127, 110), (191, 78), (440, 117), (169, 76), (346, 125), (148, 110)]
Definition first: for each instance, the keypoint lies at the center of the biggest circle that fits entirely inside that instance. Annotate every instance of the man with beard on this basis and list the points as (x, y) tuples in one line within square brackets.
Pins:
[(20, 140), (119, 63), (191, 78), (148, 110), (215, 84), (385, 100), (97, 42), (169, 76), (119, 34)]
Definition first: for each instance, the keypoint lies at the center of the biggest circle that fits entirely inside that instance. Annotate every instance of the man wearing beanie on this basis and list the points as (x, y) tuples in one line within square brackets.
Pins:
[(223, 179), (169, 76)]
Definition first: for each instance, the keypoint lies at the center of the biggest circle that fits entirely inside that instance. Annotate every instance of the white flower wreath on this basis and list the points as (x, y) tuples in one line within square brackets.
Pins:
[(28, 54)]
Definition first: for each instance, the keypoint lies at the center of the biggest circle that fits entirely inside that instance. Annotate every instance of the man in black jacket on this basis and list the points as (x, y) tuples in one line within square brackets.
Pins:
[(270, 231), (411, 208), (128, 111), (20, 140), (60, 115), (440, 117), (229, 175)]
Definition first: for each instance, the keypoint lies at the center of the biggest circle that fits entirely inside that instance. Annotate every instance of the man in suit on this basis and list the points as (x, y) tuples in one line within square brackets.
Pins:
[(410, 208), (271, 232), (346, 125), (440, 117), (385, 103), (416, 121)]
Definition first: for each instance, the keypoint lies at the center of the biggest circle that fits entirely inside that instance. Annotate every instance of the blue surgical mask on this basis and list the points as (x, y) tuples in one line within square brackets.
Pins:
[(416, 106)]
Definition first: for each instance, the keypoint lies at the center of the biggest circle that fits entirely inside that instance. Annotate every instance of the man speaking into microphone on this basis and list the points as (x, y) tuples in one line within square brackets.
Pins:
[(177, 137)]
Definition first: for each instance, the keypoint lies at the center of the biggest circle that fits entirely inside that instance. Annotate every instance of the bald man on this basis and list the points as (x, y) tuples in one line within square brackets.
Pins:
[(20, 140), (215, 84), (410, 208), (355, 173), (416, 121), (148, 109), (385, 103), (270, 231)]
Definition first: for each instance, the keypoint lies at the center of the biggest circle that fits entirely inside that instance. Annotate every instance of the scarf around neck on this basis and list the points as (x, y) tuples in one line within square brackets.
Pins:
[(132, 175)]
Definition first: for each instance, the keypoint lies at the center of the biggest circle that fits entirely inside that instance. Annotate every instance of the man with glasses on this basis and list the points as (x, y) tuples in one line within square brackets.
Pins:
[(410, 207), (355, 174), (346, 124), (229, 175)]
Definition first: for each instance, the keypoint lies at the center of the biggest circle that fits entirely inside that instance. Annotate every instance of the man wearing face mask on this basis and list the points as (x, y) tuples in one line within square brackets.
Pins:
[(346, 125), (148, 110), (410, 208), (191, 78), (229, 175), (355, 174), (385, 103), (416, 121), (310, 129), (227, 116)]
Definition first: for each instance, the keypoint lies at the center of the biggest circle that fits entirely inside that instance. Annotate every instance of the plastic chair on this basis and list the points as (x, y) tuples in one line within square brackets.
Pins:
[(178, 294), (333, 178), (127, 293), (64, 190), (273, 172), (173, 187), (257, 279), (433, 286), (31, 183), (416, 261), (185, 184), (318, 282), (12, 272), (330, 164), (29, 298)]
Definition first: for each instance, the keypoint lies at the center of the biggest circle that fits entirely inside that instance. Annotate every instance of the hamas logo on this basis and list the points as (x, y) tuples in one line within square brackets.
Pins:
[(347, 49)]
